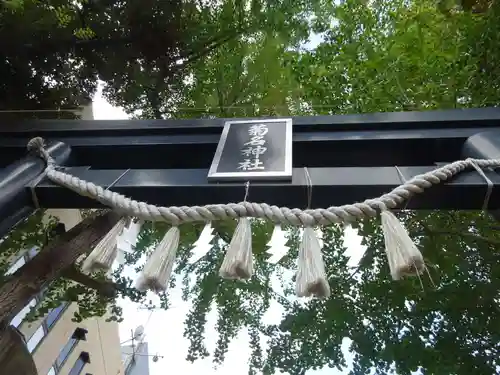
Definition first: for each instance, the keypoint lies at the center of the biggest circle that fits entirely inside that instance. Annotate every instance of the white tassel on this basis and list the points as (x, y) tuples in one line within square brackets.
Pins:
[(238, 262), (158, 267), (203, 245), (311, 275), (403, 255), (105, 252), (277, 245)]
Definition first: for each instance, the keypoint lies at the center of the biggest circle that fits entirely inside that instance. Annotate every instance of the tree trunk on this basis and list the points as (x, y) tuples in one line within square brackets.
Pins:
[(13, 347), (57, 256)]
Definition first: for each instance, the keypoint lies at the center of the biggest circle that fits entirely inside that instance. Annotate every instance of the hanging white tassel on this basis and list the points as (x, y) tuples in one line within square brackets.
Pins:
[(105, 252), (238, 262), (158, 267), (203, 245), (311, 275), (403, 255), (277, 245)]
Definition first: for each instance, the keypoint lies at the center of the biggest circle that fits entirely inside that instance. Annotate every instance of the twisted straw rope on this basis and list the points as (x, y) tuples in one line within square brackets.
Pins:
[(284, 215)]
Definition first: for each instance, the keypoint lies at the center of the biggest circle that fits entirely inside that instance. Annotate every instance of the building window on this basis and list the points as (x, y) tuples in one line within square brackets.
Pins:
[(65, 352), (52, 371), (49, 321), (33, 251), (77, 367), (54, 315), (16, 265), (76, 336), (18, 319), (80, 363), (36, 338)]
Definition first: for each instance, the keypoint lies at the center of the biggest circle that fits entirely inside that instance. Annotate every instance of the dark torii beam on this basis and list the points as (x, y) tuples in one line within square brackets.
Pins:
[(349, 158), (16, 197), (331, 187), (368, 140)]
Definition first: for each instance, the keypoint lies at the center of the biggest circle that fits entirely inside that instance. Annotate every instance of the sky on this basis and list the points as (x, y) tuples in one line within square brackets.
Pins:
[(164, 329)]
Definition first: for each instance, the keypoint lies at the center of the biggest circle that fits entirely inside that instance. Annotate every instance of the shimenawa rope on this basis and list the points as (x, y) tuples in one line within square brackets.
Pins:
[(310, 217), (403, 256)]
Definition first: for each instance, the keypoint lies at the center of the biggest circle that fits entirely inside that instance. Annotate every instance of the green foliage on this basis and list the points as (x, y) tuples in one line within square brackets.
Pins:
[(52, 53), (32, 232), (14, 5), (406, 324), (143, 52)]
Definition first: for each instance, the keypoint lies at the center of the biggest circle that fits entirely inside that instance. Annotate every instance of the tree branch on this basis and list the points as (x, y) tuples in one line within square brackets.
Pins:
[(14, 355), (210, 46), (478, 237), (355, 272), (152, 93), (107, 289)]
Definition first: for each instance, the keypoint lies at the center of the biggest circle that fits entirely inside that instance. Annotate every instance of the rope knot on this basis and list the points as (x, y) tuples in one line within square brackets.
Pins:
[(36, 144)]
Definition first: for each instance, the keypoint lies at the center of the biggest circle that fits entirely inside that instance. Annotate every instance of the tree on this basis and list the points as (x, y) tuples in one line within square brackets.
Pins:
[(260, 84), (54, 53), (140, 50), (33, 79), (95, 294), (252, 62), (53, 260)]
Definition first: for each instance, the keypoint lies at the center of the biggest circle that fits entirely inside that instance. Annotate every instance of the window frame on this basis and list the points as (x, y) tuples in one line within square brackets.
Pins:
[(79, 364), (41, 328), (68, 348), (46, 328), (59, 311)]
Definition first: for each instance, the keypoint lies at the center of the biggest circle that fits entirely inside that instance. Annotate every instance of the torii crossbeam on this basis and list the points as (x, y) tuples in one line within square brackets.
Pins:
[(165, 162)]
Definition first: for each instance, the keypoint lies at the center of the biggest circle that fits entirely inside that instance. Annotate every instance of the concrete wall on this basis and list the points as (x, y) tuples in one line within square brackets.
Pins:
[(108, 360), (103, 345), (69, 218)]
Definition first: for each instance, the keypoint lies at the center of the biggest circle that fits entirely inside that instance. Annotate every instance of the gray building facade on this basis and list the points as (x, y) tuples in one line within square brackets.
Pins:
[(136, 359)]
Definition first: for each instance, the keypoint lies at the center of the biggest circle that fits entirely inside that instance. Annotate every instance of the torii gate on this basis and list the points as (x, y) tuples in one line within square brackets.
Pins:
[(165, 162), (344, 159)]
